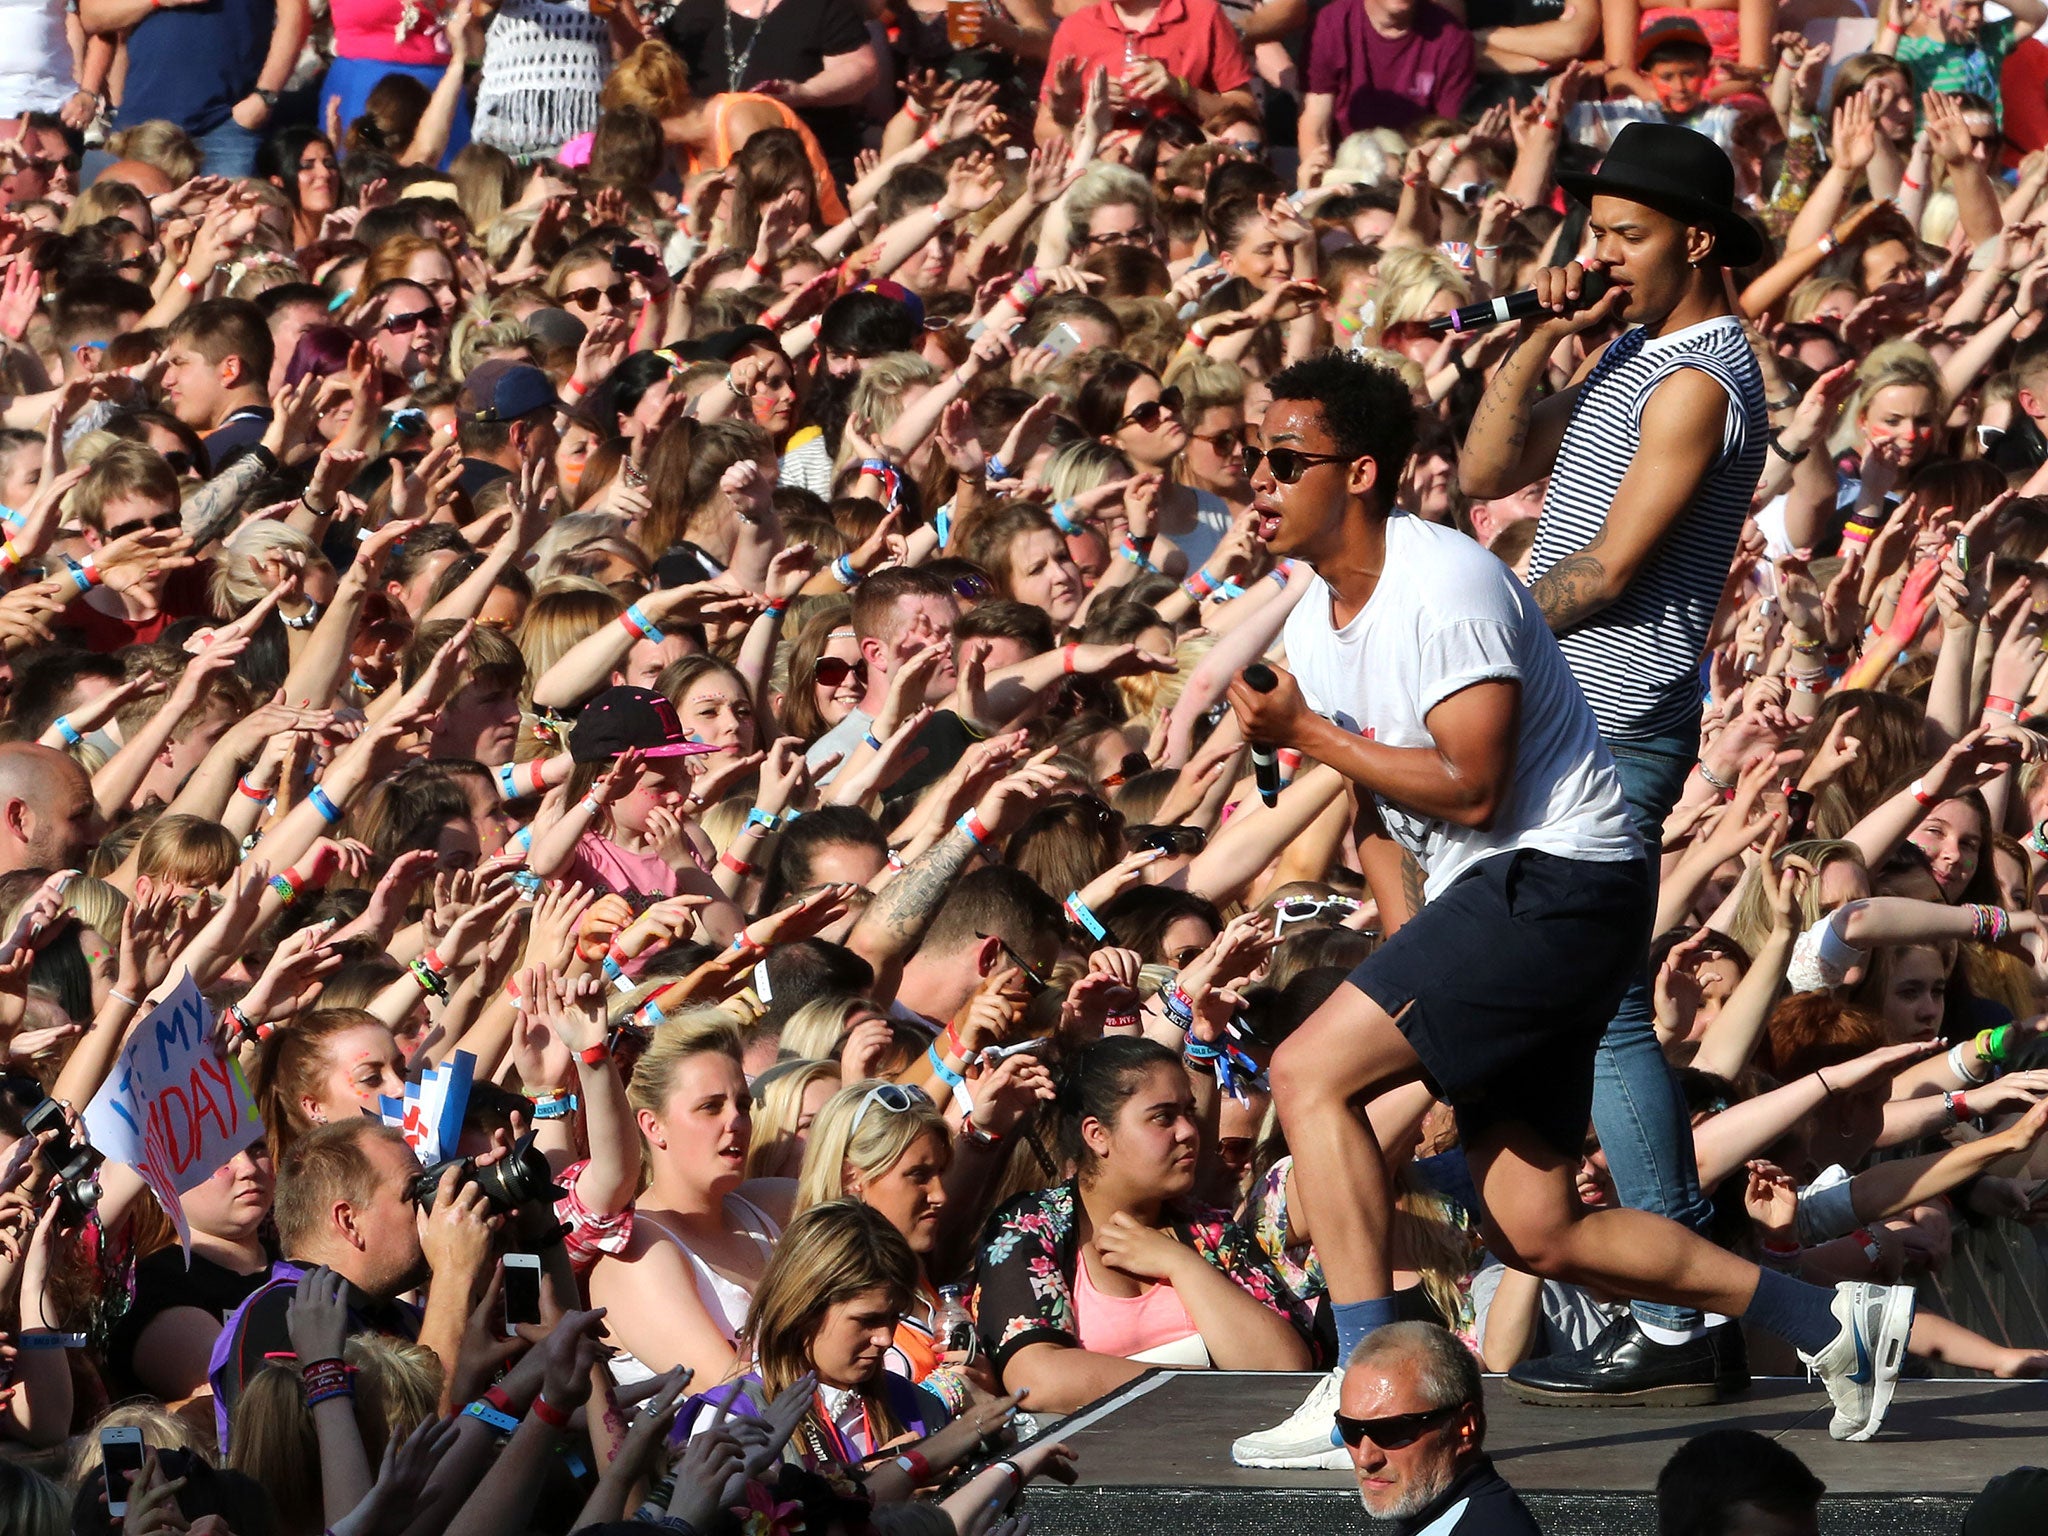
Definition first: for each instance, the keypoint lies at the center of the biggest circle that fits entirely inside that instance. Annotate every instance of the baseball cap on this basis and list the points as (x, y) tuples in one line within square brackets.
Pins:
[(1669, 30), (623, 717), (890, 289), (504, 390), (556, 328)]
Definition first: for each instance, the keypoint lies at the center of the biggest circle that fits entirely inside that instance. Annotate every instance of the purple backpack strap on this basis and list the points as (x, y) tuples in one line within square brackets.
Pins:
[(220, 1360)]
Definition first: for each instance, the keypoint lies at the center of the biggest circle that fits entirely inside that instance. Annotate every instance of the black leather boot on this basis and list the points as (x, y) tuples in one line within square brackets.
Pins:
[(1625, 1365)]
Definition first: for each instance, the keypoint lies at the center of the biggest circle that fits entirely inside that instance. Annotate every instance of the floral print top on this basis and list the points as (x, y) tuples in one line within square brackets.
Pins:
[(1024, 1275)]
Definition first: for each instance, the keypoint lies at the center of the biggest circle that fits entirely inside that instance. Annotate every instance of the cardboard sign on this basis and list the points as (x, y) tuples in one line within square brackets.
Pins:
[(174, 1108)]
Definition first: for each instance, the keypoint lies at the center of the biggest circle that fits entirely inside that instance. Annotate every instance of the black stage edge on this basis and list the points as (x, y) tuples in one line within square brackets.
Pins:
[(1155, 1457)]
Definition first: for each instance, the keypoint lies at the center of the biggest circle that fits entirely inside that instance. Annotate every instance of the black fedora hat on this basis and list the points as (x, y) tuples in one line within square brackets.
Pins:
[(1678, 172)]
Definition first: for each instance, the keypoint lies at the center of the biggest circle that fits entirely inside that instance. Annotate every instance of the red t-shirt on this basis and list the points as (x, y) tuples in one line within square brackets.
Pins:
[(1192, 38)]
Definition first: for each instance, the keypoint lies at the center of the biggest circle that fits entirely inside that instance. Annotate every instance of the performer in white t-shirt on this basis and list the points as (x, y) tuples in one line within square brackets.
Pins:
[(1427, 675)]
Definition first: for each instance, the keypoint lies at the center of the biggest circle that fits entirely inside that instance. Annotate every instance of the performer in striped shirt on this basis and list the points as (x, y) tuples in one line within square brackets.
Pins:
[(1653, 453)]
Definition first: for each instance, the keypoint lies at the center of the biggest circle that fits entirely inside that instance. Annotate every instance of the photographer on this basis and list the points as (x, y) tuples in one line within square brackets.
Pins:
[(345, 1201)]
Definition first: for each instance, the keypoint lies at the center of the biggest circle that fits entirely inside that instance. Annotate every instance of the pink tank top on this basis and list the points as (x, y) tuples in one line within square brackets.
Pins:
[(1127, 1326)]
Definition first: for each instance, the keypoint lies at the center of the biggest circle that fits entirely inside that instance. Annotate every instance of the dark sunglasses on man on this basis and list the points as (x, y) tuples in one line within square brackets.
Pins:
[(1148, 416), (1177, 840), (163, 521), (1397, 1431), (1288, 464)]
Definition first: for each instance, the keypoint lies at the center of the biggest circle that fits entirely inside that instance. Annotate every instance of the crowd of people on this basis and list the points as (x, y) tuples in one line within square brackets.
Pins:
[(946, 654)]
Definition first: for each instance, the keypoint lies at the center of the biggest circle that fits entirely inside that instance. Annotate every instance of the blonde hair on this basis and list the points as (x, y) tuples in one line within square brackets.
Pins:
[(813, 1031), (1896, 363), (103, 200), (879, 395), (652, 77), (881, 1140), (1749, 924), (189, 850), (1410, 279), (1083, 465), (238, 581), (691, 1032), (567, 534), (562, 614), (777, 1110), (1808, 297)]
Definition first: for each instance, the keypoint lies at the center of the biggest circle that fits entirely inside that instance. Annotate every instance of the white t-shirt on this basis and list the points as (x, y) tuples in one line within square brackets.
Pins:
[(35, 57), (1446, 615)]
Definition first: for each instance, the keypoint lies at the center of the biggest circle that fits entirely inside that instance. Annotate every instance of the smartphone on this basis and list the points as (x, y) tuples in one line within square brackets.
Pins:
[(1063, 339), (522, 1291), (1798, 814), (121, 1453)]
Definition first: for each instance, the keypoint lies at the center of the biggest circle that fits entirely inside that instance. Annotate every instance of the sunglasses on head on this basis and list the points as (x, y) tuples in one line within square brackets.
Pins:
[(1147, 416), (972, 588), (1288, 464), (590, 298), (1396, 1431), (1168, 839), (411, 320), (897, 1098), (834, 670)]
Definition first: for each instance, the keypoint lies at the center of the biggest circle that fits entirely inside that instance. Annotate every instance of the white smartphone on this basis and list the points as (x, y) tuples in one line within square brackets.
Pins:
[(121, 1452), (522, 1290), (1063, 339)]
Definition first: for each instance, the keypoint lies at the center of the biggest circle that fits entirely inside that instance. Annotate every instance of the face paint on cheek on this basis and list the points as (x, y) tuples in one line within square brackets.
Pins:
[(571, 477)]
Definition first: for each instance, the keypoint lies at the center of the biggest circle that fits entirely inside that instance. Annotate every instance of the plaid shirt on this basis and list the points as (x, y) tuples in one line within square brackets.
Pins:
[(1937, 64)]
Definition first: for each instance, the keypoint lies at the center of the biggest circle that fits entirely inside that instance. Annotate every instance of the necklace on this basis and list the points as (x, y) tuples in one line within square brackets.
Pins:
[(736, 66)]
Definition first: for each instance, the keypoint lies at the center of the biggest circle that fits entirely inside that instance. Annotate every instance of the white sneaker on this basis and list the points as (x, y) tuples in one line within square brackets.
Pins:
[(1307, 1440), (1860, 1365)]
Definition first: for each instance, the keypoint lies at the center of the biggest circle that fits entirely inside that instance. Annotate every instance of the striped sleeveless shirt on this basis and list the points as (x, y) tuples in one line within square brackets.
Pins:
[(1638, 658)]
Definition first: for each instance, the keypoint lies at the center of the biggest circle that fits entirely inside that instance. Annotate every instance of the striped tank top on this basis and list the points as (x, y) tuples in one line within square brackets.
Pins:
[(1637, 659)]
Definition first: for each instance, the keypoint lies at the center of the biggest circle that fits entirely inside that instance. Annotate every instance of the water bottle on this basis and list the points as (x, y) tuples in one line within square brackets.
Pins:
[(954, 1329)]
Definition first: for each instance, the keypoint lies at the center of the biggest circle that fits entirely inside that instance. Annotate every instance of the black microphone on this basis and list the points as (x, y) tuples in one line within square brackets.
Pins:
[(1516, 306), (1260, 678)]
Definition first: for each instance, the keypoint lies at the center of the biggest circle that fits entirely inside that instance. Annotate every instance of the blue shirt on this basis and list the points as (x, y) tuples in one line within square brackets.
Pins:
[(190, 64)]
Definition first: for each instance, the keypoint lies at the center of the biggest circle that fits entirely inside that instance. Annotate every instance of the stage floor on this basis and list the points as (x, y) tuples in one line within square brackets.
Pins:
[(1157, 1455)]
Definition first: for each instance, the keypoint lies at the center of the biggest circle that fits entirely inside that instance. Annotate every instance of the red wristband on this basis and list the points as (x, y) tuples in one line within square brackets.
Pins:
[(737, 865), (549, 1414), (1067, 660), (595, 1055), (498, 1398)]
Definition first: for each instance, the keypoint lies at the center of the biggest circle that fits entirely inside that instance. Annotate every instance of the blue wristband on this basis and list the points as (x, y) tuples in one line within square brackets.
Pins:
[(522, 840), (1062, 517), (649, 630), (77, 573), (319, 800), (945, 1073), (996, 469), (844, 573), (943, 525), (63, 727), (506, 788), (503, 1423), (1079, 911), (873, 741), (756, 817)]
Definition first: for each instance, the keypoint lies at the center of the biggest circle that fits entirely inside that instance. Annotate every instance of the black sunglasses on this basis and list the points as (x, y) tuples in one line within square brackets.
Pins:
[(1288, 464), (1168, 839), (834, 670), (1146, 416), (163, 520), (972, 588), (412, 320), (1031, 972), (621, 294), (1396, 1431)]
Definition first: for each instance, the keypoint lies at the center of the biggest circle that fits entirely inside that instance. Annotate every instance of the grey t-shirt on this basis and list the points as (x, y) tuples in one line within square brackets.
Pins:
[(842, 738)]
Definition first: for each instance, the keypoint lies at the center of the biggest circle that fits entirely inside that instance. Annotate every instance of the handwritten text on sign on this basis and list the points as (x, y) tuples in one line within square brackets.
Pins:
[(174, 1110)]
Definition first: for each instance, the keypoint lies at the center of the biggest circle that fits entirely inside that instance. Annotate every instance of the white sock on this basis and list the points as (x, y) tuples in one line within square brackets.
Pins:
[(1659, 1335)]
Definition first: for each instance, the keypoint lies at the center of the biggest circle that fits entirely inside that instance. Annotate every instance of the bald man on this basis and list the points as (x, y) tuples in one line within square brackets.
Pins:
[(46, 809)]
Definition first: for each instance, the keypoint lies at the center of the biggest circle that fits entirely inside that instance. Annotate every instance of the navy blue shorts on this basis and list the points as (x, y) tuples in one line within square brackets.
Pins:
[(1509, 979)]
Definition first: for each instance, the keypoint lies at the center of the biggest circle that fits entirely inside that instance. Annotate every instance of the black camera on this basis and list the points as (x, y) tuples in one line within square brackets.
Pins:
[(76, 1163), (520, 1176)]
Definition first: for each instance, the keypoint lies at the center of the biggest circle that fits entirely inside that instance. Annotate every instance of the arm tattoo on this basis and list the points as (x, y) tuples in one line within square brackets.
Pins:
[(904, 907), (1574, 589)]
